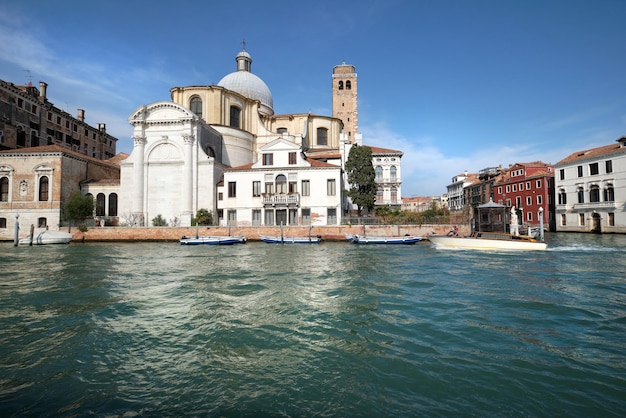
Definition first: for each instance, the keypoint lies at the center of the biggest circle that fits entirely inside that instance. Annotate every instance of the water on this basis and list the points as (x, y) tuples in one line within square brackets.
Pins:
[(158, 329)]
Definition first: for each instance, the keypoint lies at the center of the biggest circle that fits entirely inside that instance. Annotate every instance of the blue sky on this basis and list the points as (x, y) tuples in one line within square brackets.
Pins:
[(455, 84)]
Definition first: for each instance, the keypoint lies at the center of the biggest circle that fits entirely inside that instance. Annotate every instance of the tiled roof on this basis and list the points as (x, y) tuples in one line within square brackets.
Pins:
[(57, 148), (593, 153)]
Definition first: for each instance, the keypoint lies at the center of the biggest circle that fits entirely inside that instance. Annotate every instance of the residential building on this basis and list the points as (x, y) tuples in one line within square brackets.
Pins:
[(35, 184), (590, 188), (529, 187), (456, 190), (388, 176), (283, 187), (28, 119), (480, 190)]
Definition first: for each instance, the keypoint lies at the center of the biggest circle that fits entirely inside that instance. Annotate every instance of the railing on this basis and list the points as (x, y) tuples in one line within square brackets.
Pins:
[(291, 199), (595, 205)]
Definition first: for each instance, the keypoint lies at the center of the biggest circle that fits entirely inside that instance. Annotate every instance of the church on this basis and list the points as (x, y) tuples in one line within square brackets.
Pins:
[(222, 148)]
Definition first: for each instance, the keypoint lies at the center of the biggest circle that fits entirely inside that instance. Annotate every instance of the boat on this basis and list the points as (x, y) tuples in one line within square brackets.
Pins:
[(405, 239), (213, 240), (489, 241), (47, 237), (291, 240)]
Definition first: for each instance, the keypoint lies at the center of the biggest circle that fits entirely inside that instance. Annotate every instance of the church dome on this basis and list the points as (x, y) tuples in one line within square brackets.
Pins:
[(247, 84)]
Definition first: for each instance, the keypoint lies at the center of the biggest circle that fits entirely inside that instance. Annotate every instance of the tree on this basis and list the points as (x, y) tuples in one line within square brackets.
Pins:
[(159, 221), (78, 207), (204, 217), (361, 177)]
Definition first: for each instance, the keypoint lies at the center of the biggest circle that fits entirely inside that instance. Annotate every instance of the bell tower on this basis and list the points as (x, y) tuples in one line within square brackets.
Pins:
[(345, 103)]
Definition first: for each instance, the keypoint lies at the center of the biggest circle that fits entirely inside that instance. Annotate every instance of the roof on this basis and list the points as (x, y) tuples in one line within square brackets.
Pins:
[(115, 161), (378, 150), (594, 153)]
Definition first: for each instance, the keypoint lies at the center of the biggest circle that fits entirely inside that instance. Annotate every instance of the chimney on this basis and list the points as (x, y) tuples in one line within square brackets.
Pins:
[(102, 127), (81, 115), (42, 91)]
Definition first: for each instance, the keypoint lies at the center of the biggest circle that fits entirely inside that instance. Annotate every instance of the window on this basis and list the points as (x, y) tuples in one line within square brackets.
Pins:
[(306, 216), (538, 183), (293, 187), (529, 216), (514, 188), (100, 204), (609, 194), (331, 216), (393, 172), (256, 189), (340, 85), (322, 136), (594, 194), (521, 187), (256, 217), (113, 204), (593, 169), (563, 219), (500, 190), (394, 195), (306, 188), (220, 196), (580, 170), (539, 199), (235, 113), (4, 189), (195, 105), (529, 200), (348, 85), (562, 174), (608, 166), (269, 187), (42, 222), (3, 222), (380, 194), (331, 187), (269, 217), (581, 195), (20, 103), (281, 184), (43, 189), (508, 188), (379, 173), (611, 219), (281, 130), (527, 185), (232, 189), (292, 158), (268, 159), (581, 219), (293, 216)]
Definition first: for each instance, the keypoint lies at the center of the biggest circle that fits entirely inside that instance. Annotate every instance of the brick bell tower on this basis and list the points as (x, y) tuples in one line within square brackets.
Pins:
[(345, 102)]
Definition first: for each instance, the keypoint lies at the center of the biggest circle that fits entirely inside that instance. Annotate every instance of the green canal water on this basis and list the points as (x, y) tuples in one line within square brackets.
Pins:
[(329, 330)]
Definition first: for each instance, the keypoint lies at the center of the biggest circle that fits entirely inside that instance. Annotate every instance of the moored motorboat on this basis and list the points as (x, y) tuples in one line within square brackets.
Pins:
[(489, 241), (405, 239), (213, 240), (270, 239), (46, 237)]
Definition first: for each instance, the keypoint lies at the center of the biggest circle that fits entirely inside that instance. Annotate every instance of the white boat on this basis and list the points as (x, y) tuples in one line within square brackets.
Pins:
[(48, 237), (405, 239), (213, 240), (489, 241), (291, 240)]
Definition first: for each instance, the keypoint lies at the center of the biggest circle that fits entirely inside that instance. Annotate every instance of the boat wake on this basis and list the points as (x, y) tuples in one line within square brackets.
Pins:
[(583, 248)]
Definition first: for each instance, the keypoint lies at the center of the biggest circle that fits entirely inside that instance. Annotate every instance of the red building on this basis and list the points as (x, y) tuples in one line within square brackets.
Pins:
[(528, 187)]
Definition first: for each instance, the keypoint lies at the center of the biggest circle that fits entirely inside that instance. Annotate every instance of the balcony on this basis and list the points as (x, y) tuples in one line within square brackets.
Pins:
[(291, 199), (594, 205)]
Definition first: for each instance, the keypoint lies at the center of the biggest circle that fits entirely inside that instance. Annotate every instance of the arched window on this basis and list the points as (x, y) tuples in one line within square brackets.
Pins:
[(340, 85), (348, 85), (562, 197), (594, 193), (195, 105), (379, 195), (235, 114), (609, 194), (393, 172), (281, 130), (43, 189), (281, 183), (394, 195), (322, 136), (4, 189), (100, 204), (113, 204), (581, 195), (379, 173)]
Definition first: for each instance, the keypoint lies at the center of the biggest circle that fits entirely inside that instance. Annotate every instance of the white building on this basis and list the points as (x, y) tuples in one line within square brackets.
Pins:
[(456, 190), (282, 187), (590, 189)]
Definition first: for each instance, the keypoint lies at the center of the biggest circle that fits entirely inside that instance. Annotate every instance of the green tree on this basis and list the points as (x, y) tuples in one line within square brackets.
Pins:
[(78, 207), (159, 221), (361, 178), (204, 217)]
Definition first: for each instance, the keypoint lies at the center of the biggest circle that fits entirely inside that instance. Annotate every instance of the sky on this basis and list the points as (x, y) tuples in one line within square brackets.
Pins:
[(455, 84)]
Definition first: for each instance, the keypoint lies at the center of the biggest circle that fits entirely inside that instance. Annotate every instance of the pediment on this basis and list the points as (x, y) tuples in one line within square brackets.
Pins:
[(280, 144), (161, 112)]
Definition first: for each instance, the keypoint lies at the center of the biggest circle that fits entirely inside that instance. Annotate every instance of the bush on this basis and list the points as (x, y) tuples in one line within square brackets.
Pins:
[(159, 221)]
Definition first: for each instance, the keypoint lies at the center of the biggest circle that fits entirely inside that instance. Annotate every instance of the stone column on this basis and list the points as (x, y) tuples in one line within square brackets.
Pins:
[(138, 179), (187, 206)]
